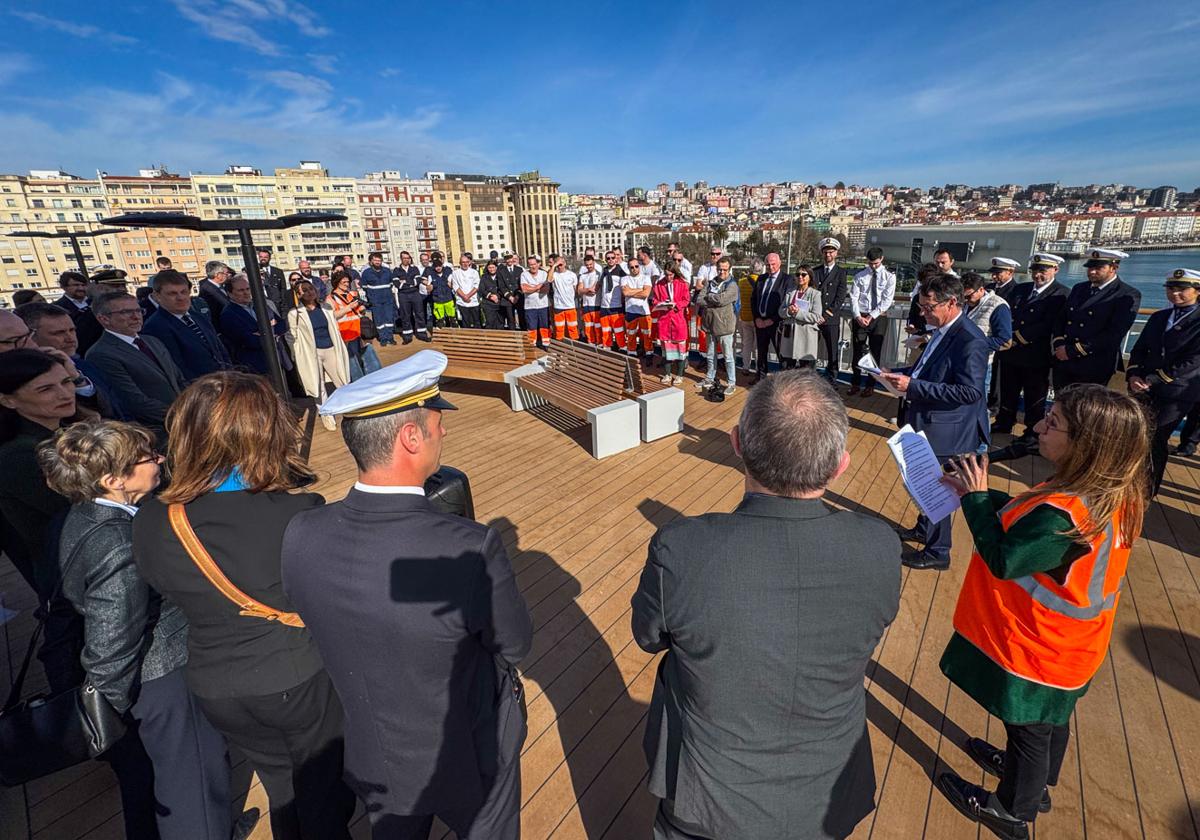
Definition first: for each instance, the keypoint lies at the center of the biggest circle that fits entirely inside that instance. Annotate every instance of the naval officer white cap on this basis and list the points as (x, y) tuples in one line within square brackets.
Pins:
[(410, 383), (1104, 256), (1004, 264), (1184, 277), (1045, 260), (829, 242)]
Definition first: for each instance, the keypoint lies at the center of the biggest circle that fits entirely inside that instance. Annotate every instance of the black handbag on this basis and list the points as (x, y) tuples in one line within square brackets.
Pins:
[(367, 329), (45, 734)]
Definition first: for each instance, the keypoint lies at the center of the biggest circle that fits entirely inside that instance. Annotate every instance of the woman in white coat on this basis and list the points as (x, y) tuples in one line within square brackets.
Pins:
[(317, 347), (800, 317)]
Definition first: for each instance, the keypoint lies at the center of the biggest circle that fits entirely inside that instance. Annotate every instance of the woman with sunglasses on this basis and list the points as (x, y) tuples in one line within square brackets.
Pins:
[(799, 333), (1036, 610)]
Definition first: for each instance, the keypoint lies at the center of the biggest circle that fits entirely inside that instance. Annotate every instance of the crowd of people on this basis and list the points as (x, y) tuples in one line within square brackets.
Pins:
[(219, 602)]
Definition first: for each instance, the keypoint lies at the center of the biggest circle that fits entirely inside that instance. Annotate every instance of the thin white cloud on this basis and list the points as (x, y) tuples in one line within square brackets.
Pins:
[(79, 30), (248, 22), (299, 83), (322, 63), (389, 72), (13, 65)]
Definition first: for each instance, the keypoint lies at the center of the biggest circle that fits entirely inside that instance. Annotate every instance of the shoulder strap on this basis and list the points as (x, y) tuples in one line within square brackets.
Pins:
[(208, 567)]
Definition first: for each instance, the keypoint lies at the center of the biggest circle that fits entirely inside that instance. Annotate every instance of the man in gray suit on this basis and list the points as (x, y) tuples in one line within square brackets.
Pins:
[(137, 367), (768, 616)]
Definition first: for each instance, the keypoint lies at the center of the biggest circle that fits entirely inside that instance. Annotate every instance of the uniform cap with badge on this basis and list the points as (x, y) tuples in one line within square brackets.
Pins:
[(407, 384), (1182, 278), (1004, 264), (829, 242), (1043, 260), (1104, 256)]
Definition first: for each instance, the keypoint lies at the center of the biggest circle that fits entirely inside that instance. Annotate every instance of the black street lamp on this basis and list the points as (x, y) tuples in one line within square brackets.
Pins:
[(74, 237), (183, 221)]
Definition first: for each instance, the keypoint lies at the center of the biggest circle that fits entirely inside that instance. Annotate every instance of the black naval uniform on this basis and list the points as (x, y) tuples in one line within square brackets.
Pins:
[(1092, 327), (416, 614), (831, 283), (1167, 356), (1028, 360), (410, 303), (1008, 293)]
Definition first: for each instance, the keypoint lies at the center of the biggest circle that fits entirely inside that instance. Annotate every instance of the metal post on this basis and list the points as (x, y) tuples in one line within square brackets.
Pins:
[(78, 253), (788, 265), (266, 335)]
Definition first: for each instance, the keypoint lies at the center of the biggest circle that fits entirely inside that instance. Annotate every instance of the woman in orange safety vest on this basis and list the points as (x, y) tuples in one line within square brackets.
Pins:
[(1036, 609)]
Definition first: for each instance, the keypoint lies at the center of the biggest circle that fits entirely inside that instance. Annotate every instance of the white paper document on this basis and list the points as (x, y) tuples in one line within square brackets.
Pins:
[(868, 363), (922, 474)]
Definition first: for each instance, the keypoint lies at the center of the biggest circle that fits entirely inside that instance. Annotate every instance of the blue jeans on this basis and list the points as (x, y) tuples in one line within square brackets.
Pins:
[(726, 347)]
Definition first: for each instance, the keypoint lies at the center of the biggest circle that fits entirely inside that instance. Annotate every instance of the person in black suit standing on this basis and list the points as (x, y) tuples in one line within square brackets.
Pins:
[(76, 303), (509, 278), (945, 397), (1164, 365), (212, 288), (1027, 361), (871, 297), (187, 335), (408, 602), (274, 284), (1091, 329), (765, 300), (829, 278), (1005, 286), (239, 327), (768, 616)]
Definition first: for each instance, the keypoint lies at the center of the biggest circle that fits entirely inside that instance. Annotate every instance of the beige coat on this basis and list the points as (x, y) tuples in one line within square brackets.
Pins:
[(304, 349)]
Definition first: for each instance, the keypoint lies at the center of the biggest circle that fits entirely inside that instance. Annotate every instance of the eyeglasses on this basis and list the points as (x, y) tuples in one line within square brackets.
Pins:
[(134, 311), (18, 341), (1053, 424), (929, 307), (154, 458)]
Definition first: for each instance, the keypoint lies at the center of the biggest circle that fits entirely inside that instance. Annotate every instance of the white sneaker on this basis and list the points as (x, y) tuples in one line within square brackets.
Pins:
[(329, 422), (676, 380), (705, 384), (666, 380), (730, 388)]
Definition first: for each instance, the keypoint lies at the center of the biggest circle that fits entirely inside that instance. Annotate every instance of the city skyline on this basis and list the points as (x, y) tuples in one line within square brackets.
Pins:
[(1080, 93)]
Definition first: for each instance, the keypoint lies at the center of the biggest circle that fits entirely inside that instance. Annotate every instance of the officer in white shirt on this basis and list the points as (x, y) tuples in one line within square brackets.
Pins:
[(871, 295), (464, 282)]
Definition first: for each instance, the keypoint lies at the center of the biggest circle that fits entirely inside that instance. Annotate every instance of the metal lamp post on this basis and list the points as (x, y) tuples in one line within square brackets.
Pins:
[(74, 237), (183, 221)]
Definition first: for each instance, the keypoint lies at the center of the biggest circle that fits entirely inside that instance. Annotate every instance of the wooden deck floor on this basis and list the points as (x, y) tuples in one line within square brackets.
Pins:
[(577, 530)]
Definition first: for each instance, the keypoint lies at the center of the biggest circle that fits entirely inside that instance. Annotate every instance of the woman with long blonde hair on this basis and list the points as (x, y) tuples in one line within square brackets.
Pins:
[(1036, 610)]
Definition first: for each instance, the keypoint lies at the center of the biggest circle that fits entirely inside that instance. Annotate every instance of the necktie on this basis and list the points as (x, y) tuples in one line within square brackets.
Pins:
[(765, 295), (146, 351), (195, 328), (874, 289)]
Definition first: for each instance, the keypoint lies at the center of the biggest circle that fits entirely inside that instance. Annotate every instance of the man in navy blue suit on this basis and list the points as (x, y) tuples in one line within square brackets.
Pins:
[(188, 336), (239, 325), (944, 396)]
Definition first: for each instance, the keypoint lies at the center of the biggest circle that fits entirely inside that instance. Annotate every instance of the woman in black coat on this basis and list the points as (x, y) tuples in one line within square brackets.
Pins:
[(235, 464), (172, 765)]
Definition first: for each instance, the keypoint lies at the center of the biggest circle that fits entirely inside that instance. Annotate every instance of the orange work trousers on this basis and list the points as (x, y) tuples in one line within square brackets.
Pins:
[(566, 323), (591, 324), (638, 327), (612, 328)]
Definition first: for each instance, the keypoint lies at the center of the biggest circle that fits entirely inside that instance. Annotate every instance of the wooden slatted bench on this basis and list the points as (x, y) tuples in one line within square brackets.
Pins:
[(588, 383), (660, 405), (485, 355)]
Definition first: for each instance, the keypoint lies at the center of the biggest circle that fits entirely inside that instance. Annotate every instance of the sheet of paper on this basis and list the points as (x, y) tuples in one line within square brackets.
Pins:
[(868, 363), (803, 305), (922, 474)]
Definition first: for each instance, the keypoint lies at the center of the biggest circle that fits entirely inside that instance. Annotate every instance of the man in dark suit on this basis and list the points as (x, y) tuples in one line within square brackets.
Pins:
[(1164, 365), (1027, 362), (830, 280), (1003, 284), (75, 302), (765, 299), (418, 619), (1090, 330), (53, 330), (187, 335), (239, 327), (138, 368), (757, 726), (274, 283), (212, 288), (944, 397)]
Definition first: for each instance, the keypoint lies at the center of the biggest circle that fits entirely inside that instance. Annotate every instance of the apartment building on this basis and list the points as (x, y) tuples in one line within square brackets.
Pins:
[(398, 214), (534, 201), (155, 191)]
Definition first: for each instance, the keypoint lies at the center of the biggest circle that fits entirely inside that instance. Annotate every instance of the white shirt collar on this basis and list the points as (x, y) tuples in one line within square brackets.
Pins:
[(942, 329), (128, 339), (1105, 285), (1037, 290), (79, 304), (130, 509), (389, 489)]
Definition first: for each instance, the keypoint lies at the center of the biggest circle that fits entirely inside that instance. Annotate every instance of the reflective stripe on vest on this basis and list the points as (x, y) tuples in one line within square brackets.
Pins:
[(1034, 627)]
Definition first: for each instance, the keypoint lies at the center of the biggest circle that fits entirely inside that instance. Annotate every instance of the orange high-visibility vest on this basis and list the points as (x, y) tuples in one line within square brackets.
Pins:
[(1036, 628)]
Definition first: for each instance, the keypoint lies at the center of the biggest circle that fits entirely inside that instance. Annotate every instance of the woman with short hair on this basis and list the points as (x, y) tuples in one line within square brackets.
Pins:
[(235, 472), (1036, 610), (172, 767)]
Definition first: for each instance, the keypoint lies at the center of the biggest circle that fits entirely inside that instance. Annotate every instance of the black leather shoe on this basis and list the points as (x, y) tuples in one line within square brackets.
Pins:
[(924, 560), (991, 759), (910, 534), (1185, 449), (243, 826), (972, 802)]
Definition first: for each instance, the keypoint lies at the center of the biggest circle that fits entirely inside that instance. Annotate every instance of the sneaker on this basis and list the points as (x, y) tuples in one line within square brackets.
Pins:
[(676, 380), (730, 388), (704, 384), (666, 380), (329, 422)]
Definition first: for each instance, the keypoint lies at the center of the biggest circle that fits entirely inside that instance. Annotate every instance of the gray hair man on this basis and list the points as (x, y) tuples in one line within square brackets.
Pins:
[(768, 616), (212, 288)]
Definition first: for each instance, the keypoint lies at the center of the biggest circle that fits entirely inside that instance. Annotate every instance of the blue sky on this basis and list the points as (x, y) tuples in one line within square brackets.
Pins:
[(606, 95)]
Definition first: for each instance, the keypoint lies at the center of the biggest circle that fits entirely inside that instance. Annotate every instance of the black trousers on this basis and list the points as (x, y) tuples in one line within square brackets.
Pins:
[(994, 387), (863, 339), (469, 316), (498, 819), (1032, 761), (293, 740), (410, 313), (499, 316), (765, 339), (1034, 382), (1167, 416), (831, 336), (1191, 426), (173, 764)]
